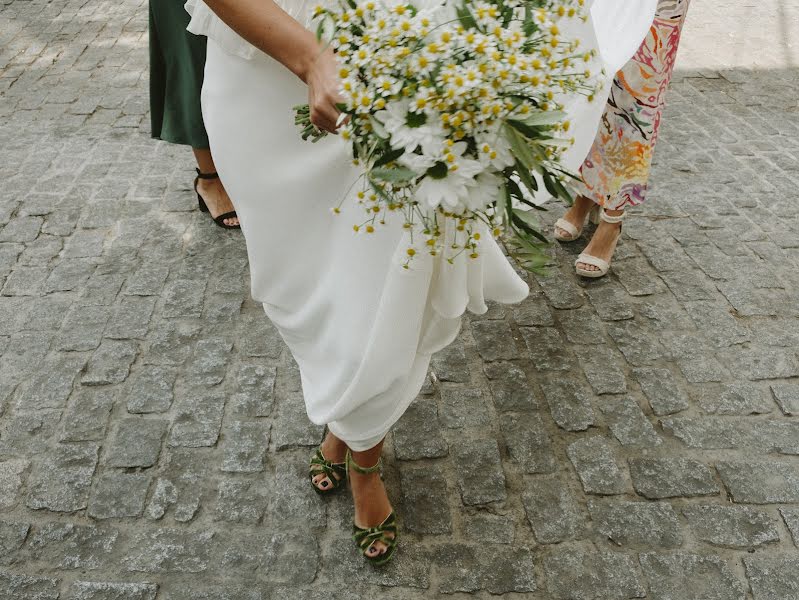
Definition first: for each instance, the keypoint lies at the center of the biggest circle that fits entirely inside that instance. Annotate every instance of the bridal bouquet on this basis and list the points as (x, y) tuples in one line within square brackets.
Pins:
[(454, 115)]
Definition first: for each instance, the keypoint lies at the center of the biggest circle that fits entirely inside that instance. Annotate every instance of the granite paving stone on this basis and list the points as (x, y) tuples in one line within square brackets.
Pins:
[(87, 416), (735, 399), (423, 510), (760, 481), (791, 518), (479, 470), (151, 389), (28, 587), (656, 478), (528, 442), (135, 442), (13, 473), (732, 526), (787, 397), (683, 575), (552, 511), (418, 433), (119, 494), (198, 419), (628, 423), (593, 459), (12, 536), (629, 437), (570, 403), (72, 546), (637, 524), (61, 481), (246, 444), (773, 577), (574, 573), (510, 387), (110, 363), (241, 501), (253, 394), (662, 390), (107, 590)]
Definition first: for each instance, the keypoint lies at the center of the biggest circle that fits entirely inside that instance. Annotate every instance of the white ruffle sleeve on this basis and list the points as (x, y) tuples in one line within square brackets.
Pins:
[(205, 22)]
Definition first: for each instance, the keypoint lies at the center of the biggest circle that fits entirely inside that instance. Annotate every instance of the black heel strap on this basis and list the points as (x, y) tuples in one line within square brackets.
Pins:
[(201, 175)]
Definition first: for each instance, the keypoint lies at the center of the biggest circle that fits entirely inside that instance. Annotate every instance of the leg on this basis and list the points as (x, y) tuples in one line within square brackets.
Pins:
[(576, 215), (616, 172), (372, 506), (212, 190)]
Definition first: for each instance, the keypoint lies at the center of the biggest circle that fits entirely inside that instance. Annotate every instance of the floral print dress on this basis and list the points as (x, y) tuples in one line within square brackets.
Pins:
[(616, 171)]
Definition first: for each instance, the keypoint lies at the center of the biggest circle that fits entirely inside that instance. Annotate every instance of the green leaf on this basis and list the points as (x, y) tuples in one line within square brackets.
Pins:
[(527, 178), (527, 217), (554, 186), (549, 183), (525, 129), (526, 227), (514, 190), (529, 27), (545, 117), (388, 157), (466, 18), (520, 148), (396, 175)]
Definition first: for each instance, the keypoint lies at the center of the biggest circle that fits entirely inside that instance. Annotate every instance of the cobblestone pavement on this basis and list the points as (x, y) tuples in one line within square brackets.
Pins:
[(629, 438)]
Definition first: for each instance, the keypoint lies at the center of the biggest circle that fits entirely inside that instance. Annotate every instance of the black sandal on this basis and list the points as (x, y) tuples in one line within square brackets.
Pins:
[(220, 220)]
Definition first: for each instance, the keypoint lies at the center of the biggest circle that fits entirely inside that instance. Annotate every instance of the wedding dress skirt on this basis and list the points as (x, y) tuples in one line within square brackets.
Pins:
[(361, 328)]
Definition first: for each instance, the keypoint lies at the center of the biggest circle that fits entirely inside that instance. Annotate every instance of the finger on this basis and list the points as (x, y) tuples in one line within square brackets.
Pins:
[(320, 120), (328, 118)]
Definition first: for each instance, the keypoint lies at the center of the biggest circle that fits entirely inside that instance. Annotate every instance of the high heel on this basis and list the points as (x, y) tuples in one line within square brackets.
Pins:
[(387, 532), (602, 265), (336, 473), (220, 220), (573, 232)]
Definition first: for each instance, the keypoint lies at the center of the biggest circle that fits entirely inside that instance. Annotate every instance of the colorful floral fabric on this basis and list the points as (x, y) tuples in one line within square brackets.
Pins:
[(616, 171)]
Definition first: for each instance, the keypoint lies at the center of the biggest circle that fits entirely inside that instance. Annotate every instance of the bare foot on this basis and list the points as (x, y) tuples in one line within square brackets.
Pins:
[(602, 245), (334, 450), (372, 505), (576, 215), (217, 200)]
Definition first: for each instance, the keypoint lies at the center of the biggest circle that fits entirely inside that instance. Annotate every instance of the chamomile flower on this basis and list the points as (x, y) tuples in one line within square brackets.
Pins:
[(406, 132)]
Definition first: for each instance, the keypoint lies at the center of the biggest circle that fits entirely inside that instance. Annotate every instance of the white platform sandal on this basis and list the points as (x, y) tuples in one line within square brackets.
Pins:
[(602, 265), (573, 232)]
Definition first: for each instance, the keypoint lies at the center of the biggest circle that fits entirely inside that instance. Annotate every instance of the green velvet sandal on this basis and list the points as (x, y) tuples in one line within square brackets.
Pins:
[(336, 473), (387, 532)]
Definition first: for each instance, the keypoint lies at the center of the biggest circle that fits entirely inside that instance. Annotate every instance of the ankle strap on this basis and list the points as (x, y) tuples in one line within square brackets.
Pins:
[(363, 470), (611, 219), (201, 175)]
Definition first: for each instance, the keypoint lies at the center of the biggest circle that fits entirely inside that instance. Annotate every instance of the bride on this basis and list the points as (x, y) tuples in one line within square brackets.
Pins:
[(361, 328)]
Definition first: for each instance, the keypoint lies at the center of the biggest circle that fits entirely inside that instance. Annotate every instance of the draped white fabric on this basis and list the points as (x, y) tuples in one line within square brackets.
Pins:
[(615, 30), (361, 328)]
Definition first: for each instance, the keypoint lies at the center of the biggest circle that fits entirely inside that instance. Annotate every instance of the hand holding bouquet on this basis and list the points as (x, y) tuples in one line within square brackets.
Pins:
[(454, 115)]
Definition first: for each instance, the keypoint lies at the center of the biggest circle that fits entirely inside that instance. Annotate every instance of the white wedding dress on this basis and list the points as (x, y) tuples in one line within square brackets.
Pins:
[(361, 328)]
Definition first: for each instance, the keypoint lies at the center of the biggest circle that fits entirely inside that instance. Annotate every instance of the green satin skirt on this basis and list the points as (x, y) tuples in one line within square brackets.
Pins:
[(177, 63)]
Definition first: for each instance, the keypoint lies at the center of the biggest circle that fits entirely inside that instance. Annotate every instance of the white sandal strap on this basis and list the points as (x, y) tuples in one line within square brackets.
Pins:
[(587, 259), (567, 227), (613, 220)]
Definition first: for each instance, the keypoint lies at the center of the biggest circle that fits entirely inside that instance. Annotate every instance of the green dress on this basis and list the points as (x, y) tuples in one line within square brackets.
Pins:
[(177, 63)]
